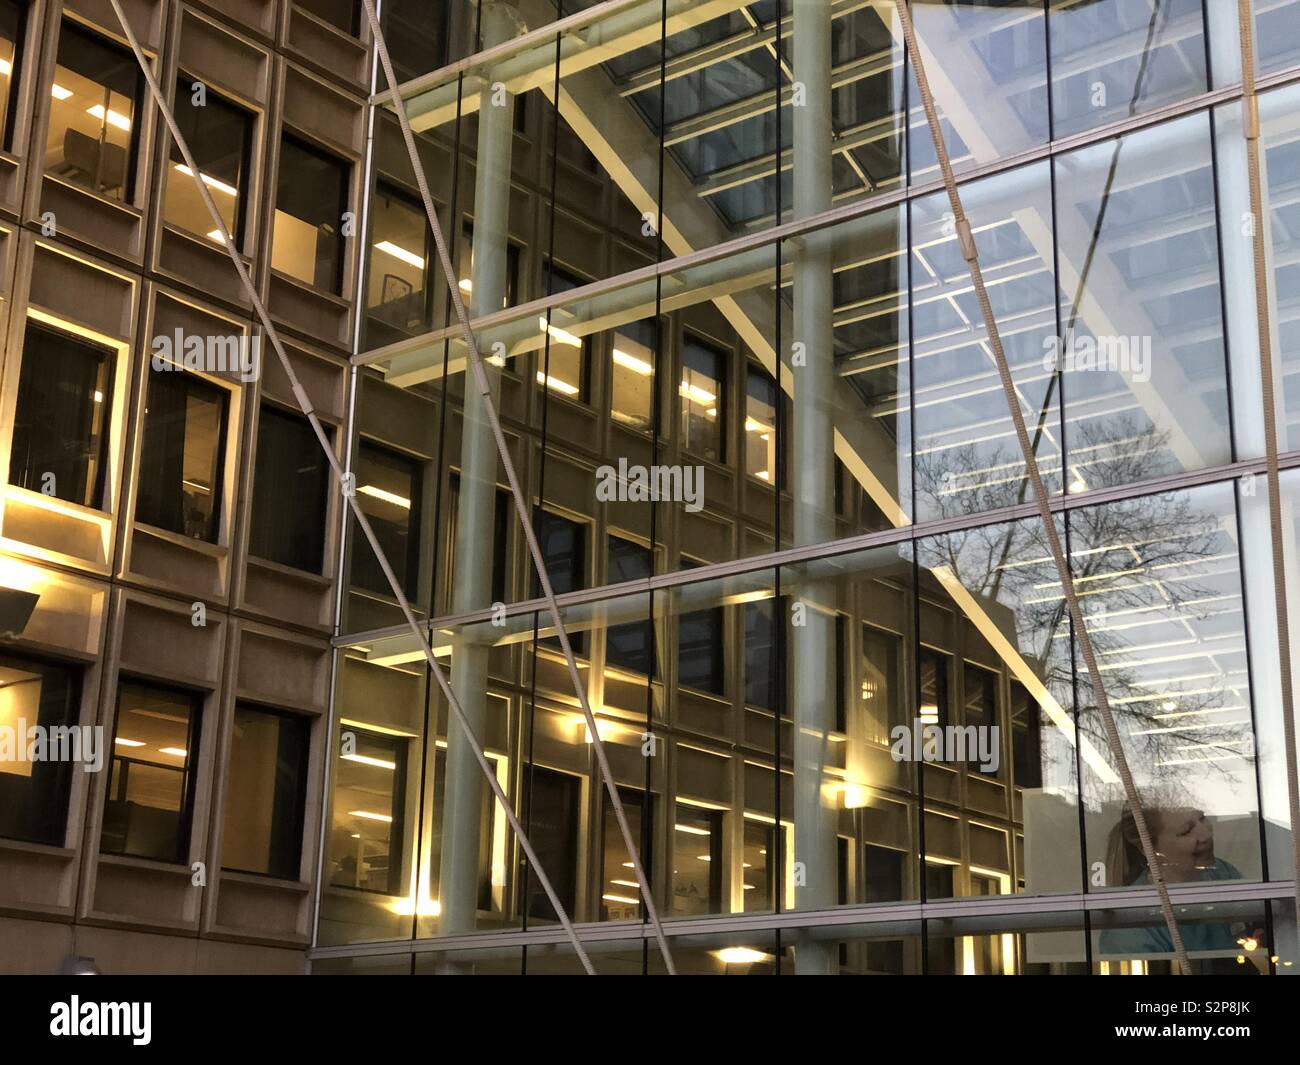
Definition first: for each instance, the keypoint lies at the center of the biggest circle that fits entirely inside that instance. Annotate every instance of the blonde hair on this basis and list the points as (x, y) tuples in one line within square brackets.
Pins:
[(1125, 861)]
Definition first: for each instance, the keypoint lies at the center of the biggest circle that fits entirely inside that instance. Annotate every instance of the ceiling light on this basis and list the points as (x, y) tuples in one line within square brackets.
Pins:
[(215, 234), (563, 387), (466, 285), (753, 425), (179, 752), (387, 497), (697, 394), (556, 333), (367, 815), (113, 118), (929, 714), (398, 252), (59, 92), (99, 397), (620, 898), (626, 883), (128, 743), (631, 362), (209, 180), (739, 955), (5, 67), (365, 759), (693, 830)]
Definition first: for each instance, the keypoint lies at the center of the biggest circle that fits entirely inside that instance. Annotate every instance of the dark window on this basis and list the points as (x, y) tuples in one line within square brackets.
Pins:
[(552, 804), (341, 14), (697, 861), (13, 25), (34, 795), (220, 137), (700, 659), (388, 492), (94, 113), (1026, 738), (933, 708), (564, 550), (398, 293), (704, 399), (266, 793), (938, 881), (630, 646), (310, 201), (882, 696), (417, 33), (980, 687), (61, 418), (290, 493), (181, 455), (620, 895), (882, 874), (369, 800), (151, 788), (761, 652)]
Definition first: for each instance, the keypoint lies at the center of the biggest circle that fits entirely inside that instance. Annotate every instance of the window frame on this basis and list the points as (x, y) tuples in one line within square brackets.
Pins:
[(311, 147)]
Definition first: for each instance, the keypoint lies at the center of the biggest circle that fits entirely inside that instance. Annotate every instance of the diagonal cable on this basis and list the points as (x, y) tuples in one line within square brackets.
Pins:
[(309, 411), (1250, 109), (521, 505), (971, 254)]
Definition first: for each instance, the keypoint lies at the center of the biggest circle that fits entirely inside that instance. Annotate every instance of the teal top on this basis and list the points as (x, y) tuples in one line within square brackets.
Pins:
[(1154, 939)]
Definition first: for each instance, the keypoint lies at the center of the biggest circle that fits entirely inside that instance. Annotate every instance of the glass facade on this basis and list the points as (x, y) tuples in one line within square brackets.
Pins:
[(776, 487)]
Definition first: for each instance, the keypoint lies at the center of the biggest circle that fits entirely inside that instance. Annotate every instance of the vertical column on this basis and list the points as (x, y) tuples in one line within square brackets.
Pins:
[(812, 641), (472, 573)]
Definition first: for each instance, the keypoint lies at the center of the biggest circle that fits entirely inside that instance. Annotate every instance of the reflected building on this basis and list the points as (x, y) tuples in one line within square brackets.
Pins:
[(839, 688)]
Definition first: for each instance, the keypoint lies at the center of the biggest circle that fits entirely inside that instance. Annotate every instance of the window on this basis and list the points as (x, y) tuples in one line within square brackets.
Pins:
[(13, 24), (290, 493), (933, 709), (310, 201), (703, 394), (759, 864), (369, 793), (220, 137), (388, 492), (632, 375), (620, 894), (266, 793), (562, 363), (34, 795), (487, 811), (341, 14), (564, 550), (1026, 741), (760, 426), (502, 510), (980, 688), (93, 113), (151, 787), (700, 660), (761, 652), (398, 294), (181, 455), (553, 805), (882, 696), (697, 861), (61, 417), (629, 646), (882, 874), (466, 283)]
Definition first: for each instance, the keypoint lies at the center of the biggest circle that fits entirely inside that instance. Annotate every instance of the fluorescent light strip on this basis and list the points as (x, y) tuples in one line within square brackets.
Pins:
[(386, 496), (398, 252), (365, 759), (179, 752), (562, 387), (59, 92), (113, 118), (631, 362), (369, 816), (209, 180)]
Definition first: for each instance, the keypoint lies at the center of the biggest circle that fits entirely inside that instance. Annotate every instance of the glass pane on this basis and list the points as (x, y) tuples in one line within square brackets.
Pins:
[(632, 371), (289, 493), (34, 795), (398, 294), (12, 24), (182, 455), (704, 399), (389, 492), (366, 841), (92, 113), (61, 418), (1225, 939), (310, 200), (219, 135)]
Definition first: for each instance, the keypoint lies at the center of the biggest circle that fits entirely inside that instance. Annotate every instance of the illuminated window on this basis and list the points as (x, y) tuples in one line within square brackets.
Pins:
[(34, 795), (181, 455), (290, 486), (398, 295), (759, 866), (388, 491), (13, 22), (620, 894), (486, 828), (151, 785), (61, 417), (562, 360), (266, 793), (93, 114), (697, 861), (703, 396), (880, 691), (632, 375), (369, 797), (760, 426), (310, 201), (220, 137)]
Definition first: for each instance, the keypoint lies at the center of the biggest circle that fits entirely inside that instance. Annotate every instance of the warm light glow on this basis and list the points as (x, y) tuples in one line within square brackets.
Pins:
[(631, 362), (215, 234), (398, 252), (853, 796), (209, 180), (739, 955), (365, 759), (697, 394), (128, 743), (929, 714), (693, 830), (114, 118), (563, 387), (59, 92), (626, 883), (99, 398), (427, 908), (179, 752), (387, 497), (620, 898), (556, 333), (752, 425), (466, 285), (368, 815), (607, 730)]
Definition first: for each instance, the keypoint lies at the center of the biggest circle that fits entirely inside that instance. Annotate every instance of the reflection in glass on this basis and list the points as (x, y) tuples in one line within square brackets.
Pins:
[(703, 394), (369, 800), (290, 484), (220, 137), (632, 372), (697, 861), (310, 201), (34, 795), (388, 487), (398, 290)]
